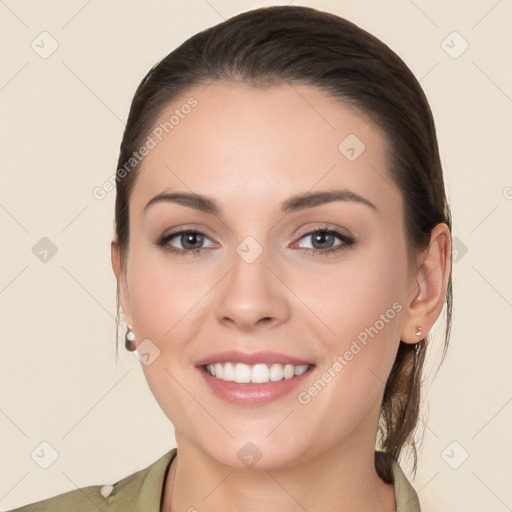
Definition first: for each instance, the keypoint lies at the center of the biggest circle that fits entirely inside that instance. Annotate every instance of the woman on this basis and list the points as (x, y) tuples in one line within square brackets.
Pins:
[(282, 250)]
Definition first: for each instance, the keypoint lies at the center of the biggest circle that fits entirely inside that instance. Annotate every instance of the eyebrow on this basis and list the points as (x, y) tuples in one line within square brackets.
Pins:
[(295, 203)]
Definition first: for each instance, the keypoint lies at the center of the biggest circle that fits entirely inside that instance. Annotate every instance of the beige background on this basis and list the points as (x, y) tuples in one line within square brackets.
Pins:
[(62, 121)]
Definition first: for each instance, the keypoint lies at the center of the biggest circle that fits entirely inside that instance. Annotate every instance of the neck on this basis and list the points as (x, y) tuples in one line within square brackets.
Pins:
[(344, 475)]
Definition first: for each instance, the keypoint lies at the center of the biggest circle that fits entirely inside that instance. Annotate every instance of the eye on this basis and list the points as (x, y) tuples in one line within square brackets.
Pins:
[(190, 240), (323, 240)]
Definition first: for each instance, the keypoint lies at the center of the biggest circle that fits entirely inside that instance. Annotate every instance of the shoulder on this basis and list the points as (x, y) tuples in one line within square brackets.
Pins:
[(143, 487), (405, 495), (80, 500)]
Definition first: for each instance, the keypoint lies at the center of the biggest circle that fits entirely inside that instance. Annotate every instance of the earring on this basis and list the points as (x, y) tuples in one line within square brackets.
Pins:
[(128, 340), (419, 330)]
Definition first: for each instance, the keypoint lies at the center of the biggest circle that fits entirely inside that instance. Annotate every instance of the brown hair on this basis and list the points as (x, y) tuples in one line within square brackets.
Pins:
[(301, 45)]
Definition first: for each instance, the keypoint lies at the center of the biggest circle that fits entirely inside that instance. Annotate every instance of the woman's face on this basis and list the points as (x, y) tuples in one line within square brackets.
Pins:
[(274, 271)]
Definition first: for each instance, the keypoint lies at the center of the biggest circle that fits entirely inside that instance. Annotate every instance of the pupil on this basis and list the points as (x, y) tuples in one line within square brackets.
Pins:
[(191, 238), (321, 237)]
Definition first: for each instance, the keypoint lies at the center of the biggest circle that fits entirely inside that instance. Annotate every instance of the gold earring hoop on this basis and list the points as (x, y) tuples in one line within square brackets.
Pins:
[(129, 339), (419, 330)]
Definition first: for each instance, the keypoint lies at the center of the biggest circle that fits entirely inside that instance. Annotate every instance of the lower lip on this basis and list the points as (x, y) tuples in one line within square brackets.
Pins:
[(252, 394)]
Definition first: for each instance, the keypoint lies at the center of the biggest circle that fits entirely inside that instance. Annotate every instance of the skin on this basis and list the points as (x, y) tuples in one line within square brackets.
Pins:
[(250, 150)]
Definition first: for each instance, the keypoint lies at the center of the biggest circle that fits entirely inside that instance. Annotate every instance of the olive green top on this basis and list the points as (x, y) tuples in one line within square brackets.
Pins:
[(142, 491)]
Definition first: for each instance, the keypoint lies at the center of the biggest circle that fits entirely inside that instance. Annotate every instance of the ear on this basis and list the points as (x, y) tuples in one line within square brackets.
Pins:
[(429, 284), (122, 288)]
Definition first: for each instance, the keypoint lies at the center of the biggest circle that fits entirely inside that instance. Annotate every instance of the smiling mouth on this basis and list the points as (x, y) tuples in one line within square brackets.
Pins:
[(254, 374)]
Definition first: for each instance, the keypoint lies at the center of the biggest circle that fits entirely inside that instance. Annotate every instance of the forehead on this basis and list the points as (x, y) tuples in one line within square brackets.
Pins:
[(228, 139)]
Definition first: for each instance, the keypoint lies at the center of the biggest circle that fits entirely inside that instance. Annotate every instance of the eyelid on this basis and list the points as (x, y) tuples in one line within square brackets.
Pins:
[(345, 237), (174, 233), (324, 227), (184, 229)]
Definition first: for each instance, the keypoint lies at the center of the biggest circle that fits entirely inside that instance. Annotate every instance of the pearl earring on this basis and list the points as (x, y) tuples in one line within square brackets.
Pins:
[(419, 330), (128, 340)]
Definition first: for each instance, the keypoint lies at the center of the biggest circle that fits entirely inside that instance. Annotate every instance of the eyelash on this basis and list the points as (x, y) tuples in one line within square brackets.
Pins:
[(347, 241)]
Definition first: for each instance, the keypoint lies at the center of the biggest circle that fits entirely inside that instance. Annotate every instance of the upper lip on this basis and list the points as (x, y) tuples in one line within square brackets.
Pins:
[(250, 358)]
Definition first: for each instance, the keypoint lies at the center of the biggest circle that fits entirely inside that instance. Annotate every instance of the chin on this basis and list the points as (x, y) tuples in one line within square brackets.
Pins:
[(255, 453)]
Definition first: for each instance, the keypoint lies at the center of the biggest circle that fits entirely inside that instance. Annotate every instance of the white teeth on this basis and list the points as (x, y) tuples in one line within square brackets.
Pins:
[(289, 371), (276, 372), (228, 372), (260, 373), (255, 374), (299, 370), (217, 370), (242, 373)]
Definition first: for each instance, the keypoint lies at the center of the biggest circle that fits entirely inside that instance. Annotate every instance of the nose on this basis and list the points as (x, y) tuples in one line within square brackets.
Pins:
[(251, 296)]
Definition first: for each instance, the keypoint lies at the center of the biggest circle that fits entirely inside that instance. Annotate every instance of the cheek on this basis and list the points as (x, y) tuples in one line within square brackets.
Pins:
[(360, 304), (163, 294), (166, 306), (351, 296)]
